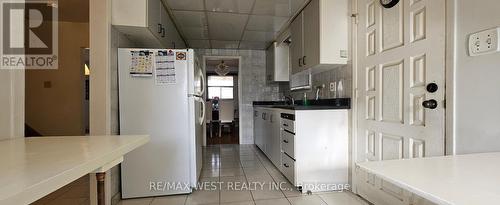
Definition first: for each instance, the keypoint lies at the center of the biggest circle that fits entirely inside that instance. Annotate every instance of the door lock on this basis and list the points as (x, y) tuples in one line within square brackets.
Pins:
[(432, 87), (430, 104)]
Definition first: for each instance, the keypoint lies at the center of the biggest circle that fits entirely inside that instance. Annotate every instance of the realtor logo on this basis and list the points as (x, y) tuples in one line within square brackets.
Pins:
[(29, 34)]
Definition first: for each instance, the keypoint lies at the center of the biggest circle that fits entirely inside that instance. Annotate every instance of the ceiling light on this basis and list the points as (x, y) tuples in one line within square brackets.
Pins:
[(222, 69)]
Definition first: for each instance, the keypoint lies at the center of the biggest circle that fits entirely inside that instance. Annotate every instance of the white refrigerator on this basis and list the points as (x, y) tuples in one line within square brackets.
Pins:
[(161, 93)]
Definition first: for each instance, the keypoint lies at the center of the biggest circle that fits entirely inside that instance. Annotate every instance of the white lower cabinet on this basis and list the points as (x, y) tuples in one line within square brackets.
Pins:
[(309, 147), (267, 133), (288, 168)]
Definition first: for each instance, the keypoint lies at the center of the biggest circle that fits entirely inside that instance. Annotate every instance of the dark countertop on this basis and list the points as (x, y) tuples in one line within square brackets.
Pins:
[(322, 104)]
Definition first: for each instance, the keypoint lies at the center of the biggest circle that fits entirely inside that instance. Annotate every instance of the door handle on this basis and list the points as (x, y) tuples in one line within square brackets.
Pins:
[(430, 104), (304, 60), (201, 119)]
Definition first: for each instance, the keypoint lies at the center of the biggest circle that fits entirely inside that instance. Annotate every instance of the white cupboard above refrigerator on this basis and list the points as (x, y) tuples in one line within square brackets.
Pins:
[(146, 22)]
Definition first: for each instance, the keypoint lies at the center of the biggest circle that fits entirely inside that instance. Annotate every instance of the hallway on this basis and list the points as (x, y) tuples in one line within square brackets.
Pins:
[(229, 165)]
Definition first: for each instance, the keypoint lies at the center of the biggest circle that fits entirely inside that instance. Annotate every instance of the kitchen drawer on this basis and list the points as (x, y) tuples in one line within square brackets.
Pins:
[(287, 124), (288, 168), (287, 143)]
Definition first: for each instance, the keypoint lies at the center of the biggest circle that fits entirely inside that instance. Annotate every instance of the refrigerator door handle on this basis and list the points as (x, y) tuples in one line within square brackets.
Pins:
[(201, 119), (203, 83)]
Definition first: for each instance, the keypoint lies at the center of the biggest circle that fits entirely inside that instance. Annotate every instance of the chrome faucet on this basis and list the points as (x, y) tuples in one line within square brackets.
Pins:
[(289, 98), (318, 88)]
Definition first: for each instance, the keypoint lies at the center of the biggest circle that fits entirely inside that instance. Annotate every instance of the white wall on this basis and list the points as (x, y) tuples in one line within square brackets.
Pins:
[(477, 81), (11, 103)]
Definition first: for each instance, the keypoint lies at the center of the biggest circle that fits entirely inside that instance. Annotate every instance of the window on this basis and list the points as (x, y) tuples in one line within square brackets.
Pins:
[(220, 86)]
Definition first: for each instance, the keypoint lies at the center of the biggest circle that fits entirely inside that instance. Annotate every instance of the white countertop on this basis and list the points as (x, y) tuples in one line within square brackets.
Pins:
[(34, 167), (449, 180)]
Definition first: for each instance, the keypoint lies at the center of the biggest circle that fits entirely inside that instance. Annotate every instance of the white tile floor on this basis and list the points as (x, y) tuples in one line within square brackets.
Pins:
[(245, 163)]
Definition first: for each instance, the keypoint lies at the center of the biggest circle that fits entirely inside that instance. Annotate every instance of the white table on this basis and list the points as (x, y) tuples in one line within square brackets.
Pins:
[(449, 180), (32, 168)]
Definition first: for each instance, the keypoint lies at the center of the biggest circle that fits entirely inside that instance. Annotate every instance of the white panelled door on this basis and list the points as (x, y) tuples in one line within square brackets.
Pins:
[(400, 51)]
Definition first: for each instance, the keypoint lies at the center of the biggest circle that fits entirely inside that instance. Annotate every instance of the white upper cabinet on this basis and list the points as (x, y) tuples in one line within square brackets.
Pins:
[(154, 17), (296, 48), (170, 32), (277, 62), (320, 35), (146, 22)]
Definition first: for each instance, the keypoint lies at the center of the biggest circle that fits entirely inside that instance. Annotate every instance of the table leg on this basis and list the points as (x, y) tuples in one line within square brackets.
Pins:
[(220, 130), (100, 188), (211, 130)]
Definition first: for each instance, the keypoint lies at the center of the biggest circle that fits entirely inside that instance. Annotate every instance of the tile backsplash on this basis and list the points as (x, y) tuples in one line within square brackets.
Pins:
[(334, 75)]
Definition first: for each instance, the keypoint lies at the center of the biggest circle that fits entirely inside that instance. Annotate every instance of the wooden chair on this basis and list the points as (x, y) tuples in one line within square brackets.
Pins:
[(226, 114)]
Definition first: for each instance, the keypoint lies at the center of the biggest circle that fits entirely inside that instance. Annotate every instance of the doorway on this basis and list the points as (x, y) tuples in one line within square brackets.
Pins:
[(85, 64), (222, 100)]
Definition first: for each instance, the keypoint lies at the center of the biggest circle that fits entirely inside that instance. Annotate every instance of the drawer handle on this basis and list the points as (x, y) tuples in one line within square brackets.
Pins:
[(285, 125), (285, 141), (286, 165)]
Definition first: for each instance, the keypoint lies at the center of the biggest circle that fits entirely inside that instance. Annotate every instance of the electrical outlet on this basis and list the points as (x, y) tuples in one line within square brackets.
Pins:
[(333, 86), (484, 42)]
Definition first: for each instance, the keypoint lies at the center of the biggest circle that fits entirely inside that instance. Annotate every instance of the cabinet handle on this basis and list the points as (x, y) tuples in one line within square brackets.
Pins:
[(286, 165), (162, 32), (304, 60), (285, 141), (300, 62), (285, 125), (160, 28)]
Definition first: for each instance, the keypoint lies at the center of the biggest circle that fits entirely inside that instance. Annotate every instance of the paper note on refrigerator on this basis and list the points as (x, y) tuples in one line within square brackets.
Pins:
[(141, 64), (165, 72)]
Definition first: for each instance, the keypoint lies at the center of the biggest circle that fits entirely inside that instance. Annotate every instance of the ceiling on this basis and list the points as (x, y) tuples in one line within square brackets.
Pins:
[(231, 24)]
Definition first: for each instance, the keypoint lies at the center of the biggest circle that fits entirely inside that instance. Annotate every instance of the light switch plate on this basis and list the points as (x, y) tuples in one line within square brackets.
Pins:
[(484, 42)]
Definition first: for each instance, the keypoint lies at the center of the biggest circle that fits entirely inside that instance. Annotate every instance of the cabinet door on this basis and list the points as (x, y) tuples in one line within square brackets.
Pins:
[(281, 62), (267, 132), (296, 46), (311, 34), (154, 17), (256, 121), (171, 36), (262, 132), (166, 34), (267, 126), (270, 64), (276, 150), (270, 137)]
